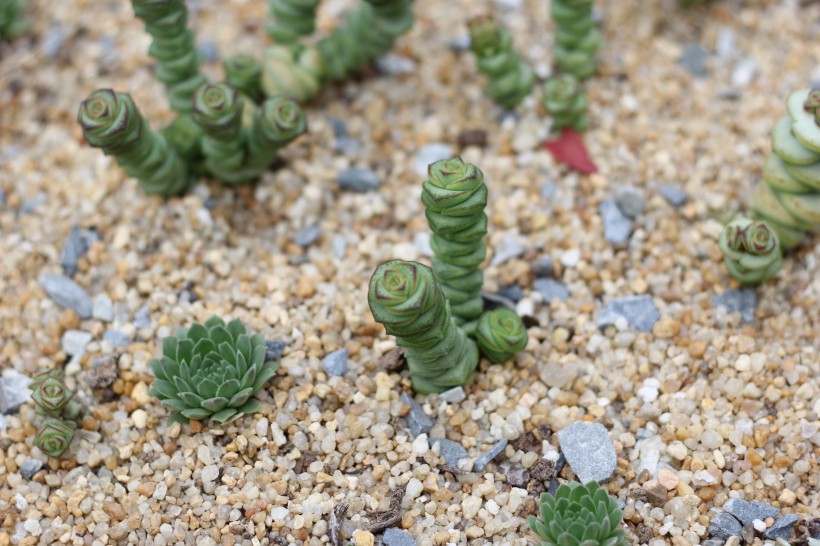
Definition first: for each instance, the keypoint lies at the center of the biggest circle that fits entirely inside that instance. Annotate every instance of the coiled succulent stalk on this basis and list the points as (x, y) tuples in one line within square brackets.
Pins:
[(576, 39), (244, 73), (12, 22), (500, 334), (293, 72), (172, 45), (510, 78), (218, 111), (275, 125), (566, 102), (751, 251), (111, 121), (53, 401), (407, 299), (454, 196), (292, 19), (788, 197)]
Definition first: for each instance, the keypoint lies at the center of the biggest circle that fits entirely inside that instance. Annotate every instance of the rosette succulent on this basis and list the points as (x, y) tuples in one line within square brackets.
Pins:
[(500, 334), (566, 102), (292, 19), (244, 73), (54, 436), (211, 371), (751, 251), (53, 401), (275, 125), (218, 112), (579, 515)]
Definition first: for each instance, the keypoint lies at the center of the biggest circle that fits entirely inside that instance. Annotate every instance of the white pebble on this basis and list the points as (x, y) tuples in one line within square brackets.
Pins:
[(571, 257), (209, 473)]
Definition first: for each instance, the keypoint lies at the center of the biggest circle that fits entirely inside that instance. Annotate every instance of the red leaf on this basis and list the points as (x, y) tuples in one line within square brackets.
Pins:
[(569, 148)]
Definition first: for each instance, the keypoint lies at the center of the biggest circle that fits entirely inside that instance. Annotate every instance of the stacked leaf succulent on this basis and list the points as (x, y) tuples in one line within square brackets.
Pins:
[(291, 19), (211, 371), (566, 102), (295, 72), (577, 40), (54, 404), (12, 21), (509, 77), (579, 515), (751, 251), (500, 334)]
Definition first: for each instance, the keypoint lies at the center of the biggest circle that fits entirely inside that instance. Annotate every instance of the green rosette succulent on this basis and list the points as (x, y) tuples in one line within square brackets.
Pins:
[(293, 72), (111, 121), (12, 21), (500, 334), (172, 45), (751, 251), (579, 515), (54, 436), (211, 371), (577, 41), (275, 125), (454, 196), (292, 19), (51, 396), (407, 299), (509, 78), (218, 112), (244, 73), (566, 102)]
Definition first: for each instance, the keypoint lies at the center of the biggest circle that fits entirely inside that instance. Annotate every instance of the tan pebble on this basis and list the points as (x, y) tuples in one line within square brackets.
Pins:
[(753, 457), (733, 541), (442, 537), (668, 478), (306, 287), (147, 488), (363, 538), (706, 493), (666, 328), (474, 531), (677, 450), (787, 497), (196, 426), (114, 510), (322, 477), (697, 349), (140, 418)]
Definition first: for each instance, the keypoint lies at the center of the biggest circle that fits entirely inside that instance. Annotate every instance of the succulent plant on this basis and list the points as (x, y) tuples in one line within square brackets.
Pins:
[(291, 19), (53, 402), (576, 39), (218, 112), (111, 121), (500, 334), (275, 125), (566, 102), (579, 515), (12, 22), (751, 251), (172, 46), (211, 371), (293, 72), (244, 73), (54, 436), (407, 299), (788, 197), (509, 77)]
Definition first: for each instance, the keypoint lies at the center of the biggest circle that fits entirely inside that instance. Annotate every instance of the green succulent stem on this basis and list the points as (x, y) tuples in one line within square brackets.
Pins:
[(291, 19), (500, 334), (454, 196), (276, 124), (172, 46), (294, 72), (218, 112), (751, 251), (509, 78), (577, 40), (244, 73), (788, 196), (566, 102), (53, 402), (407, 299), (111, 122), (12, 20)]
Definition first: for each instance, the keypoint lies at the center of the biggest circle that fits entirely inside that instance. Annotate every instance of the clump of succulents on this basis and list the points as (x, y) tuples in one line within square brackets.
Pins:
[(211, 371), (579, 515), (437, 314), (751, 251), (12, 21), (58, 412)]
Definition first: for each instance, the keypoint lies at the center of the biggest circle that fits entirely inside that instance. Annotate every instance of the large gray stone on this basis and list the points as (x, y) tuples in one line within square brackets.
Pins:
[(588, 450), (725, 525), (418, 422), (14, 390), (335, 364), (743, 301), (617, 226), (397, 537), (452, 452), (748, 511), (639, 311), (483, 460), (67, 293), (783, 527)]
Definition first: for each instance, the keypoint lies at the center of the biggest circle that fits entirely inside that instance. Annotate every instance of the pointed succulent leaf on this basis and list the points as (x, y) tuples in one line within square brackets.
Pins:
[(193, 400), (197, 413), (204, 347), (213, 322), (185, 350), (228, 388), (236, 329), (258, 355), (251, 406), (220, 335), (169, 347), (177, 417), (224, 415), (264, 375), (241, 397), (175, 403), (228, 353), (214, 404), (197, 332), (243, 347), (162, 389), (207, 388), (249, 377)]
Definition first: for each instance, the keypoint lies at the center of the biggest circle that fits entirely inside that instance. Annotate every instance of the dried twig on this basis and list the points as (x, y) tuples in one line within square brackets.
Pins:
[(387, 518), (337, 516)]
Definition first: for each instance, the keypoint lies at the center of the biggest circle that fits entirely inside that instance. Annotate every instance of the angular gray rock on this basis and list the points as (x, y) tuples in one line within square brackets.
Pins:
[(67, 293), (783, 527), (483, 460), (617, 226), (507, 248), (748, 511), (74, 342), (117, 338), (452, 451), (307, 236), (543, 266), (515, 474), (673, 195), (743, 301), (550, 289), (397, 537), (14, 390), (630, 200), (724, 526), (30, 467), (358, 179), (75, 248), (418, 422), (588, 450), (639, 311), (274, 349), (335, 364), (453, 396), (694, 59), (103, 308)]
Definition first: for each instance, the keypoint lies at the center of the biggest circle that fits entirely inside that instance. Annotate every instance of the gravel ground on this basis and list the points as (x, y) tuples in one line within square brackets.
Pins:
[(701, 404)]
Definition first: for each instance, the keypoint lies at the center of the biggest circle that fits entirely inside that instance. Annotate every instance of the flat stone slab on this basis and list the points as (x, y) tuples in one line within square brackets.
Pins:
[(738, 301), (748, 511), (588, 450), (452, 451), (639, 311)]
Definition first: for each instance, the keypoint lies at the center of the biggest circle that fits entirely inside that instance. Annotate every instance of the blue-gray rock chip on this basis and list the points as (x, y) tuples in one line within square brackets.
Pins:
[(335, 364), (307, 236), (117, 338), (783, 527), (748, 511), (67, 293), (550, 289), (743, 301), (274, 349), (507, 248), (512, 292), (617, 227), (588, 450), (418, 422), (30, 467), (639, 311), (484, 459), (694, 59), (397, 537), (453, 396), (358, 179), (452, 452), (724, 526), (75, 247), (14, 391), (142, 319), (674, 196), (543, 266), (630, 200), (548, 190)]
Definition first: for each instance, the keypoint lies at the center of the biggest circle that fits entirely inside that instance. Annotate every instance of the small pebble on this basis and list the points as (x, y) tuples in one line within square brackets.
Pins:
[(74, 342), (512, 292), (515, 474), (30, 467), (483, 459), (103, 308), (335, 364), (397, 537), (117, 338), (638, 311), (783, 527), (724, 525), (14, 391), (75, 247), (274, 349), (748, 511), (142, 319), (673, 195), (507, 248), (617, 226), (588, 450), (571, 257), (67, 293), (453, 396), (550, 290), (418, 422), (307, 236), (630, 201), (452, 452), (694, 59), (395, 65), (543, 266), (358, 179), (743, 301)]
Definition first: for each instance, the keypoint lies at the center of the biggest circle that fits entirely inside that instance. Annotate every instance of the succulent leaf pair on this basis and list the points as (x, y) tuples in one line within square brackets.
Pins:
[(53, 401), (751, 251), (211, 371)]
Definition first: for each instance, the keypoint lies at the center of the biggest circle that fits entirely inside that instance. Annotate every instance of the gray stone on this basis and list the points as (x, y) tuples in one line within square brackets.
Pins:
[(418, 422), (744, 72), (117, 338), (208, 50), (748, 511), (673, 195), (75, 247), (307, 236), (617, 227), (141, 318), (483, 460), (347, 145), (743, 301), (639, 311), (339, 127), (514, 474), (725, 43), (783, 527), (694, 59), (30, 467), (395, 65), (453, 396), (548, 190), (335, 364), (358, 179), (74, 342), (430, 154), (14, 391), (507, 248), (53, 41), (67, 293), (550, 289), (543, 266), (724, 526), (103, 308), (274, 349), (512, 292), (452, 451), (630, 200), (588, 450), (397, 537), (510, 4)]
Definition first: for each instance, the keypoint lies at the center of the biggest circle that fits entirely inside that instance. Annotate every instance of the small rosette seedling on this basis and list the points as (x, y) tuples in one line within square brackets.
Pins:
[(788, 197), (275, 125), (53, 402), (579, 515), (751, 251), (12, 21), (577, 40), (509, 77), (292, 72), (566, 102), (54, 436), (500, 334), (291, 19), (211, 372), (407, 299), (244, 73), (111, 122), (454, 196)]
